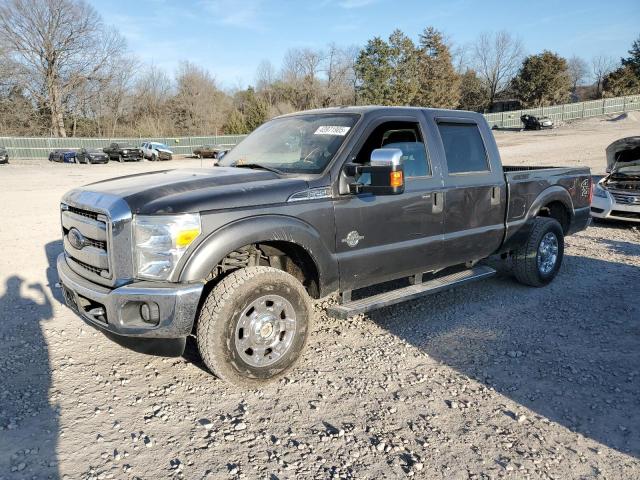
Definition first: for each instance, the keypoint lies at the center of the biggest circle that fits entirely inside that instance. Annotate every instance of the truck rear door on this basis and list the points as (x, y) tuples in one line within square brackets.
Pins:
[(474, 190)]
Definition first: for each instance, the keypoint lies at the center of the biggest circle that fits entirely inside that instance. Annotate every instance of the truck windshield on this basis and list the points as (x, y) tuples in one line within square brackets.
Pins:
[(296, 144)]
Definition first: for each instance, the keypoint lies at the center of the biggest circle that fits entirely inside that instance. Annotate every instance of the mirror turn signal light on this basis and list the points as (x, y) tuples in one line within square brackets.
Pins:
[(396, 179)]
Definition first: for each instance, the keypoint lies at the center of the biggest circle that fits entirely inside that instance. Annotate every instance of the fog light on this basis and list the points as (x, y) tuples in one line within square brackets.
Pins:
[(150, 312)]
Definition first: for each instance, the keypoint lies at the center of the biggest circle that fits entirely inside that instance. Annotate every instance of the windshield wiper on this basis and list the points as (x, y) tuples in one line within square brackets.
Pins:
[(258, 166)]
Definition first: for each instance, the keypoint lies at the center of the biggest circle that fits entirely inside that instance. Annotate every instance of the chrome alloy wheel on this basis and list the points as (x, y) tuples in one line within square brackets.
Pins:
[(547, 253), (265, 330)]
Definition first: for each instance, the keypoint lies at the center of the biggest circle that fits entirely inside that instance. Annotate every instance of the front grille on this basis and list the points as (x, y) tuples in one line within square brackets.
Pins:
[(86, 266), (624, 198), (84, 213), (86, 243)]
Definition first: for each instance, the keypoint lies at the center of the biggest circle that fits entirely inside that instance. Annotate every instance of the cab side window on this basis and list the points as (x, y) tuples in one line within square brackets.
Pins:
[(463, 147), (405, 136)]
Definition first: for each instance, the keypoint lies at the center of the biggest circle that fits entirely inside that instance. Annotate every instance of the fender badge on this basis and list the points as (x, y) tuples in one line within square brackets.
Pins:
[(353, 238)]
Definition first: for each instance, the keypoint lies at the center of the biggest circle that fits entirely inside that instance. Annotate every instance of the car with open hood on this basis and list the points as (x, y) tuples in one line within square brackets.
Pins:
[(155, 151), (617, 195), (531, 122)]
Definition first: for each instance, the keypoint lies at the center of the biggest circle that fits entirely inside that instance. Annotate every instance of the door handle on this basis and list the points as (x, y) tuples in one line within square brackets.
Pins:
[(438, 202), (495, 195)]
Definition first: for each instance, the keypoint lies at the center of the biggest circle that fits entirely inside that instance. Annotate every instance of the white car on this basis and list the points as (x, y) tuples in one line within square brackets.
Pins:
[(617, 196), (156, 151)]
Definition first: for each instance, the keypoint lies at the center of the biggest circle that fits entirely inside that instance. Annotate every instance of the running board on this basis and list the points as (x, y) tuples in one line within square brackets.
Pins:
[(439, 284)]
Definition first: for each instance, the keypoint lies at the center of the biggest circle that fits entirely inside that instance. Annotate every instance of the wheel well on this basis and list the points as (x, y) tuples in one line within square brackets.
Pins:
[(559, 211), (286, 256)]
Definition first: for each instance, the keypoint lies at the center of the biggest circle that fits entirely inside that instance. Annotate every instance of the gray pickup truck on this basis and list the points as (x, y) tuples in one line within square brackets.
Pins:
[(310, 204)]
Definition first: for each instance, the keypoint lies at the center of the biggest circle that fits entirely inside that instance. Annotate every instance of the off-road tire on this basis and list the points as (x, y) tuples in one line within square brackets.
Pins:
[(525, 260), (221, 311)]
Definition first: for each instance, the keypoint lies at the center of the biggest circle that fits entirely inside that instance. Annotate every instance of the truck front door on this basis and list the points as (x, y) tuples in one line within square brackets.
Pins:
[(474, 192), (381, 237)]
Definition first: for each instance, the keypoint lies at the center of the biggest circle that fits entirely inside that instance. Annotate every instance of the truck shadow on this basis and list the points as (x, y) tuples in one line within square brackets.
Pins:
[(569, 352), (28, 422)]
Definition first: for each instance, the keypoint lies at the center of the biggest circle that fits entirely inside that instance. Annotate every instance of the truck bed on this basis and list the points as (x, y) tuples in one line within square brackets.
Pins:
[(526, 183)]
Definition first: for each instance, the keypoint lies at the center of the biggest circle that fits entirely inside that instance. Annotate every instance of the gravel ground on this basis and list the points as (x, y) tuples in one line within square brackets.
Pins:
[(492, 380)]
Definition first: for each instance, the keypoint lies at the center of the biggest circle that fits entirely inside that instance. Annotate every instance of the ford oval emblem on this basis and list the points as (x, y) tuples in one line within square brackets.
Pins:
[(76, 239)]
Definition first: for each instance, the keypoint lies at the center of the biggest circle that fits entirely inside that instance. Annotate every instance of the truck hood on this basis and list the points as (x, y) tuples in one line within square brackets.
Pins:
[(186, 191)]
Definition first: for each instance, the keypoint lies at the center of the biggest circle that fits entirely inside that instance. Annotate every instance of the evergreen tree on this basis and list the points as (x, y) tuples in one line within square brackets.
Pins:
[(439, 84), (474, 94), (404, 82), (634, 59), (543, 80), (373, 69), (623, 81)]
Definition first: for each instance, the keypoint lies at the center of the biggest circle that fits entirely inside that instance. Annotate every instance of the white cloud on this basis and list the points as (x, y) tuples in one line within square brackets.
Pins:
[(228, 12)]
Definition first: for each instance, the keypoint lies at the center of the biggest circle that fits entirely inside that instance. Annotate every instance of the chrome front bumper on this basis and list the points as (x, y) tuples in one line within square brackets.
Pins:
[(118, 310)]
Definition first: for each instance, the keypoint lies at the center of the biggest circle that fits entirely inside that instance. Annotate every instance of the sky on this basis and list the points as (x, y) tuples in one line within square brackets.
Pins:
[(230, 38)]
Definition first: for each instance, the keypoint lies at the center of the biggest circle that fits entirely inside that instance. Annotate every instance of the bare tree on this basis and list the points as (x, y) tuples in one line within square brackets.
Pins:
[(57, 45), (339, 69), (578, 70), (152, 92), (301, 69), (497, 58), (601, 66), (198, 105)]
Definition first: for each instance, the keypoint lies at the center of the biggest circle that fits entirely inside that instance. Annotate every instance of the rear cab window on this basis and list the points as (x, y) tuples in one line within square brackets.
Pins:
[(463, 148)]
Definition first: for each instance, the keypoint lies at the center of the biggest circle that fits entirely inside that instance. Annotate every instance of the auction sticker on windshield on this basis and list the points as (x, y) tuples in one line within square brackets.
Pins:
[(331, 130)]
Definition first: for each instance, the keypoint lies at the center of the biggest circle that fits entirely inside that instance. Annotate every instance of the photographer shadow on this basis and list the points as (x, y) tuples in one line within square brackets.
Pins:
[(30, 425)]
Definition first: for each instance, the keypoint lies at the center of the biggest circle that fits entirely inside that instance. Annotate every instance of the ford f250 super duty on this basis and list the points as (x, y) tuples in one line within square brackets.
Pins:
[(310, 204)]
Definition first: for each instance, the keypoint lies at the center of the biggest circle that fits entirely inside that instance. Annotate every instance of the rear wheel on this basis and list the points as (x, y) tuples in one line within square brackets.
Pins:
[(537, 262), (253, 325)]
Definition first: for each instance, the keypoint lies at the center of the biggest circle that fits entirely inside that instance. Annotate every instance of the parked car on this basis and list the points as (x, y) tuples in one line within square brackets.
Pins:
[(123, 152), (93, 155), (532, 122), (156, 151), (617, 195), (4, 155), (210, 151), (63, 155), (309, 204)]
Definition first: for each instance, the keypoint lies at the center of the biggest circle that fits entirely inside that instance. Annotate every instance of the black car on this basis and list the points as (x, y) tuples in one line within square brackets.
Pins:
[(93, 155), (531, 122), (63, 155), (123, 152), (4, 155)]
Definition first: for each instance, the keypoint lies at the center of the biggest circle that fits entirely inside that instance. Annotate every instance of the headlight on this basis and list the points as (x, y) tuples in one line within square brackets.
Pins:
[(598, 191), (125, 152), (160, 241)]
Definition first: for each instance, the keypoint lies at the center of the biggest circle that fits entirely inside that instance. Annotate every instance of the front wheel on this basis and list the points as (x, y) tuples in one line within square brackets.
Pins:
[(537, 262), (253, 325)]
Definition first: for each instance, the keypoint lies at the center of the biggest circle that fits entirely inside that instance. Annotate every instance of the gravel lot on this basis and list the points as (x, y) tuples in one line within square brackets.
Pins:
[(491, 380)]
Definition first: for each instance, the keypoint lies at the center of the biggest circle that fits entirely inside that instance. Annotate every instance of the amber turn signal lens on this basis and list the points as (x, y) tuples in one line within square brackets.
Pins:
[(396, 179)]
